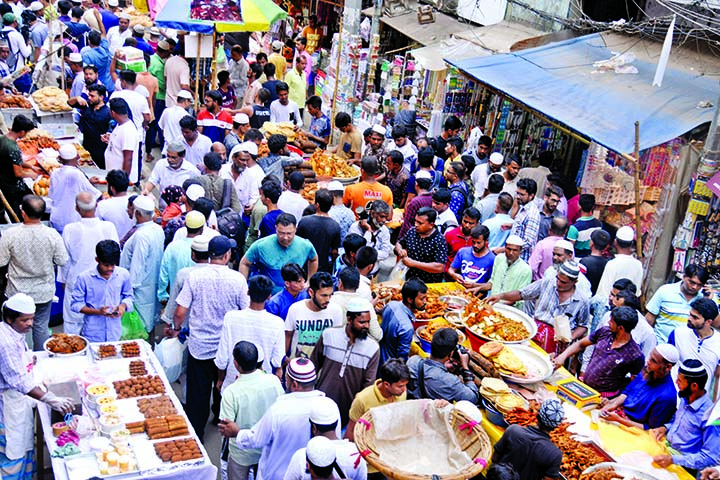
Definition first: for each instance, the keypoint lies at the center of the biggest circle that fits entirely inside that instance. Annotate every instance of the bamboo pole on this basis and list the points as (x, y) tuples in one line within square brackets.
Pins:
[(8, 208), (638, 231), (197, 74), (337, 77), (213, 68)]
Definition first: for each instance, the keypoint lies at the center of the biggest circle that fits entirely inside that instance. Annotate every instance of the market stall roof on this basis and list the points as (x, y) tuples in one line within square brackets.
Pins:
[(477, 42), (559, 80), (443, 26), (257, 15)]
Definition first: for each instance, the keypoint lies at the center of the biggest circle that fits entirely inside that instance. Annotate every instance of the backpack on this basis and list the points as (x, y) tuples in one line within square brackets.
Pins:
[(465, 193), (230, 222), (12, 58)]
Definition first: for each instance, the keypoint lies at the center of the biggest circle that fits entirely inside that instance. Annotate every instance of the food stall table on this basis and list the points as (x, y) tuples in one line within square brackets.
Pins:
[(68, 368)]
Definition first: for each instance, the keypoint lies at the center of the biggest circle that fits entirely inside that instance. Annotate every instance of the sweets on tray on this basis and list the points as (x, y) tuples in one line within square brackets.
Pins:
[(131, 349), (106, 351), (156, 406), (139, 386), (137, 368), (166, 427), (178, 450)]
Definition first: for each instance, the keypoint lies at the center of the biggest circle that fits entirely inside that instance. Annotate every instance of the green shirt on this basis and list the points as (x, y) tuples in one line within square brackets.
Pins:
[(507, 279), (157, 70), (298, 87), (245, 402)]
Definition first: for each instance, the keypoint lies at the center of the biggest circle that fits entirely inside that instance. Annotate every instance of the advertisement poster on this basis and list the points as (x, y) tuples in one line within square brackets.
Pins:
[(217, 10)]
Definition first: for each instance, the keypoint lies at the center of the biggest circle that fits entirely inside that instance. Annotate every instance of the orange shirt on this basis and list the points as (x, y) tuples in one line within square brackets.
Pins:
[(359, 194)]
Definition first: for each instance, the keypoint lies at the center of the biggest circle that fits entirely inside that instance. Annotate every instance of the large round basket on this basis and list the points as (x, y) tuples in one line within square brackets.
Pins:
[(473, 441)]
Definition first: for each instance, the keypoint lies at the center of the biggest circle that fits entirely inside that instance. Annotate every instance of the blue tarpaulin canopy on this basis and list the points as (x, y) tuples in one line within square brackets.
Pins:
[(558, 80)]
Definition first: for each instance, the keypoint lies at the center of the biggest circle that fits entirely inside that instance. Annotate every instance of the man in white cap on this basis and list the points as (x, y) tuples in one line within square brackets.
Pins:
[(169, 121), (542, 256), (240, 125), (376, 147), (481, 174), (325, 451), (16, 384), (249, 395), (562, 252), (253, 324), (38, 29), (339, 212), (551, 297), (650, 399), (171, 170), (65, 183), (624, 265), (31, 264), (76, 66), (141, 256), (510, 272), (278, 60), (200, 257), (283, 429), (283, 109), (236, 171), (80, 238), (346, 358)]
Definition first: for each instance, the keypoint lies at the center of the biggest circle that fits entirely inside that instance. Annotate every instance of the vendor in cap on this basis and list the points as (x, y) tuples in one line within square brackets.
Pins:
[(278, 60), (116, 35), (171, 170), (529, 449), (650, 398), (552, 297), (510, 272), (17, 459), (693, 434), (65, 183)]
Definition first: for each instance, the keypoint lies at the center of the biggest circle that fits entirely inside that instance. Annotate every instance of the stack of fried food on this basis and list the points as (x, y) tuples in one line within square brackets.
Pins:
[(283, 128), (484, 320), (51, 99), (14, 101), (577, 457), (385, 294), (178, 450), (432, 327), (66, 343), (41, 187), (156, 406), (328, 165), (165, 427), (138, 18), (606, 473), (308, 192), (31, 146), (503, 358)]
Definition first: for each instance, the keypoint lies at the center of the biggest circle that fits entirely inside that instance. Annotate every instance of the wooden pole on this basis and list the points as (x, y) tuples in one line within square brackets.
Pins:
[(197, 74), (213, 68), (337, 77), (638, 231), (8, 208)]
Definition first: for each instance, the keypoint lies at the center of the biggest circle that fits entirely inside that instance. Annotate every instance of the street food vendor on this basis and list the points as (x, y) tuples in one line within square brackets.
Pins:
[(16, 385), (529, 449), (693, 433)]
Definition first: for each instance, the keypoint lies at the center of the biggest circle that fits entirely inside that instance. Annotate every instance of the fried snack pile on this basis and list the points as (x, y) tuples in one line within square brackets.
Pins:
[(139, 386), (51, 99), (263, 150), (308, 192), (328, 165), (608, 473), (577, 457), (32, 146), (137, 368), (85, 158), (156, 406), (64, 343), (484, 320), (106, 351), (131, 349), (432, 327), (166, 427), (433, 308), (42, 186), (178, 450), (282, 128), (14, 101), (503, 358)]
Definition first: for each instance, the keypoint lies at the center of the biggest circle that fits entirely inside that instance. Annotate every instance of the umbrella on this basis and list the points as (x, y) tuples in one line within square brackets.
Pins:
[(257, 16)]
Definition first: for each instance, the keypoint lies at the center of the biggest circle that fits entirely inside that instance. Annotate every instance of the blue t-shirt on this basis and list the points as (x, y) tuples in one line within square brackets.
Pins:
[(280, 303), (267, 225), (320, 126), (651, 405), (473, 269), (268, 257), (77, 31)]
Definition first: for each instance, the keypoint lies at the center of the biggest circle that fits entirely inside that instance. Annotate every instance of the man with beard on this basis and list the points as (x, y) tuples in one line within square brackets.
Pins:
[(398, 318), (527, 216), (346, 358), (699, 340), (480, 176), (94, 121), (459, 237), (472, 266), (171, 170), (562, 252), (650, 398), (307, 320), (116, 35), (446, 374), (670, 305), (214, 122), (549, 210), (695, 439), (616, 353), (510, 175), (510, 272), (90, 74)]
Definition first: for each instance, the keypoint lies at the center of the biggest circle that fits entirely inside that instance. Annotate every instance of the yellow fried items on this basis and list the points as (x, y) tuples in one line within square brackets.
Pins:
[(484, 320), (328, 165), (51, 99)]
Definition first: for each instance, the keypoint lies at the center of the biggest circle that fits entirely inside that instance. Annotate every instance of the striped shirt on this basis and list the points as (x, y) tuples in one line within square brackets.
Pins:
[(671, 308), (547, 303), (527, 227)]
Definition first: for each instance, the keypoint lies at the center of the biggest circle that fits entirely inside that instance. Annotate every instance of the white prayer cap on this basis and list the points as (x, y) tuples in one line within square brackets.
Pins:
[(335, 186), (324, 411), (496, 158), (241, 118), (68, 152), (565, 245), (194, 192), (124, 16), (625, 234), (358, 305), (668, 352), (21, 303), (145, 203), (113, 3), (423, 174), (320, 451), (200, 243), (248, 147), (36, 6), (75, 58), (184, 94), (514, 240), (379, 129)]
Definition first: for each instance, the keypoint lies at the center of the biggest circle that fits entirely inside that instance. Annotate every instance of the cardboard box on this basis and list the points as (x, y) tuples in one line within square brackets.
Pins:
[(574, 391), (135, 65)]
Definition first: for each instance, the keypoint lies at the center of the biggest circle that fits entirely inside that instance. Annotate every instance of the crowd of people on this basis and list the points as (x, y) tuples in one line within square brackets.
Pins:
[(272, 293)]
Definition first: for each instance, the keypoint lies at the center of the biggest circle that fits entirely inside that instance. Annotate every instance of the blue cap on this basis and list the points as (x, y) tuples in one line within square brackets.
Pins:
[(220, 245)]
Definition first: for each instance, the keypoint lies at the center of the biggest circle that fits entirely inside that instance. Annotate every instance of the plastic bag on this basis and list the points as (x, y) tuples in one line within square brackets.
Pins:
[(133, 327), (562, 329), (398, 272), (170, 352)]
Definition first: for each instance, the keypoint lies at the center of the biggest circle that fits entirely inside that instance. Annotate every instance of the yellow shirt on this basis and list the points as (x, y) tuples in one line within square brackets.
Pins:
[(280, 66), (298, 87), (371, 397)]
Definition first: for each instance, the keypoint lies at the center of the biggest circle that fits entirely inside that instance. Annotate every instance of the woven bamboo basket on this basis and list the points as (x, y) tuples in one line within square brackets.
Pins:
[(472, 440)]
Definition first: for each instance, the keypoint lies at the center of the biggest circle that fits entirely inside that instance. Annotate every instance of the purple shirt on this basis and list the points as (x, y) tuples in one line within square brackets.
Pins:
[(609, 366), (541, 257)]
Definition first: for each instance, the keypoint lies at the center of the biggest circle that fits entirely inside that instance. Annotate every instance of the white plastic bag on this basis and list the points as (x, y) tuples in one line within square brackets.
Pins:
[(170, 352), (398, 272)]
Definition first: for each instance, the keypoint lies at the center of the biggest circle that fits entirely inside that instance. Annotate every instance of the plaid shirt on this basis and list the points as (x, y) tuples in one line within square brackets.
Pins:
[(547, 303), (527, 226)]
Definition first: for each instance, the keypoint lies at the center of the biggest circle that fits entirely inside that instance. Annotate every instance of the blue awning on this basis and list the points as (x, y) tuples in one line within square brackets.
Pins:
[(558, 81)]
